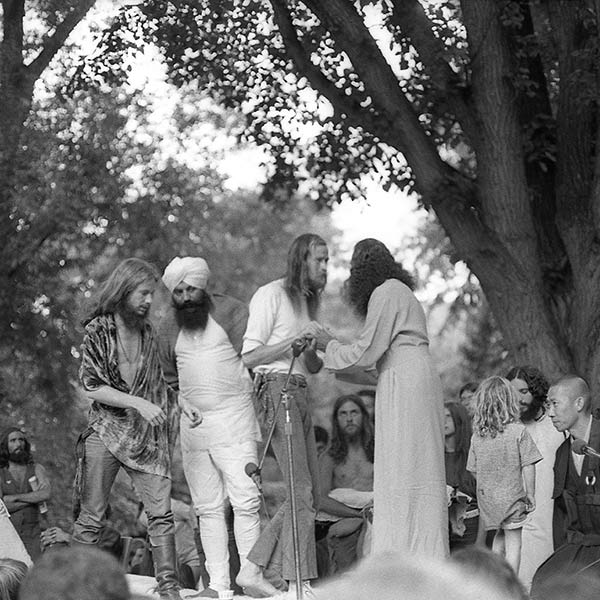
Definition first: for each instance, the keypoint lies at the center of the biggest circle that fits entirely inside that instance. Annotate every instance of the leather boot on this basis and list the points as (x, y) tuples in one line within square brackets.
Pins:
[(164, 558)]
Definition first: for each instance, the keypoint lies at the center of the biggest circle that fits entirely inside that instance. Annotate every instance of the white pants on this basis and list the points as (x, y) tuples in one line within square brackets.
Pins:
[(212, 475)]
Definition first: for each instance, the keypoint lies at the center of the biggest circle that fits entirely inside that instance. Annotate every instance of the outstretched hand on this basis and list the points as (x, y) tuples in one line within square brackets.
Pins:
[(322, 337)]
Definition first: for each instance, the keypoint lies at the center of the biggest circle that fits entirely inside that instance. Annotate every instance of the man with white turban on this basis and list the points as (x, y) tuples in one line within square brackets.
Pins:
[(200, 341)]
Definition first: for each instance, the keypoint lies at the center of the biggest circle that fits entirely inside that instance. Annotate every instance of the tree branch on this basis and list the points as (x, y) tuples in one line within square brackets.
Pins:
[(52, 44), (351, 35), (410, 17), (343, 104)]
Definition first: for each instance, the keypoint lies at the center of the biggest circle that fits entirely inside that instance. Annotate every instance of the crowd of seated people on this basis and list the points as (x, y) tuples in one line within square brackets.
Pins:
[(551, 415)]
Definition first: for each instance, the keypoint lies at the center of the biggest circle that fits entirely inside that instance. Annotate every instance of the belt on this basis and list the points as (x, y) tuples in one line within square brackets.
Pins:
[(295, 380)]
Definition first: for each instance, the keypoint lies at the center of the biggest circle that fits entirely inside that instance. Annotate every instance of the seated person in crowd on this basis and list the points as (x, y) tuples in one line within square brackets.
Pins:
[(346, 478), (466, 396), (463, 513), (322, 439)]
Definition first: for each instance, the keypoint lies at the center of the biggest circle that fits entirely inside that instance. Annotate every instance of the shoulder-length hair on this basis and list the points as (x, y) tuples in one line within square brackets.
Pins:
[(536, 382), (297, 282), (496, 405), (124, 279), (4, 447), (371, 265), (338, 449)]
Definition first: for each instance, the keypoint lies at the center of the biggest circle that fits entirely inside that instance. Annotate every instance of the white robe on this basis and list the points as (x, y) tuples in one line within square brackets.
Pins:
[(410, 512)]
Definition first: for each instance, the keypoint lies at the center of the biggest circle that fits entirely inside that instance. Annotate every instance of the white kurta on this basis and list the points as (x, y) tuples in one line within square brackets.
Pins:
[(536, 539), (410, 512)]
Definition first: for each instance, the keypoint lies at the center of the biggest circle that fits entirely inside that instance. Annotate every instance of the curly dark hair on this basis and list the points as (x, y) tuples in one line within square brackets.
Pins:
[(371, 265), (4, 447), (297, 283), (338, 450), (536, 382)]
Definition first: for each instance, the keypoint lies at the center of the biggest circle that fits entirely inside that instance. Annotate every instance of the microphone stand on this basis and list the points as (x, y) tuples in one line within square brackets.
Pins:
[(285, 399)]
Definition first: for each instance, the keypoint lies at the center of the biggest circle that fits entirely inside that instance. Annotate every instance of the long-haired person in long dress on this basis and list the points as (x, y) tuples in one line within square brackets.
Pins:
[(410, 506)]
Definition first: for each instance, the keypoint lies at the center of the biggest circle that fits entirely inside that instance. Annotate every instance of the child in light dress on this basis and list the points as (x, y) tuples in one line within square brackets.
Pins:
[(501, 457)]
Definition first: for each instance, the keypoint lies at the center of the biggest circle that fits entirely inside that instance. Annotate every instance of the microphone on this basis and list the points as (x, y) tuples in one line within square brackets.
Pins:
[(298, 346), (580, 447), (253, 471)]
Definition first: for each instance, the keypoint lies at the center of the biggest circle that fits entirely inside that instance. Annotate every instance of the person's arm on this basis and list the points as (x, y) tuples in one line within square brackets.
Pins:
[(93, 376), (113, 397), (327, 504), (312, 360), (529, 483), (265, 354), (358, 375), (383, 319), (14, 503)]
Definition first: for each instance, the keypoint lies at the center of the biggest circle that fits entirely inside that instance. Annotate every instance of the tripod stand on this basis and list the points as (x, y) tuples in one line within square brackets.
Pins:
[(254, 471)]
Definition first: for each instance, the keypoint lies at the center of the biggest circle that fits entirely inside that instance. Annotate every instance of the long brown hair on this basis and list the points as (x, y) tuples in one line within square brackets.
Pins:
[(338, 450), (297, 282), (125, 278)]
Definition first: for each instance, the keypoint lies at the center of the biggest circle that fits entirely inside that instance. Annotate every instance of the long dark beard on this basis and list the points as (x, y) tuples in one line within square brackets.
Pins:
[(193, 315), (132, 319), (530, 414), (20, 457)]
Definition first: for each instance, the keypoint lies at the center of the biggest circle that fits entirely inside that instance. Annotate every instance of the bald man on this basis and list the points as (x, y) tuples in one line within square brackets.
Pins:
[(200, 340), (576, 486)]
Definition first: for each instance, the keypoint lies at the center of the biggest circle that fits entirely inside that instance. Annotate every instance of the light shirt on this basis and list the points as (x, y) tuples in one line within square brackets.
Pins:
[(272, 320), (213, 380), (578, 458)]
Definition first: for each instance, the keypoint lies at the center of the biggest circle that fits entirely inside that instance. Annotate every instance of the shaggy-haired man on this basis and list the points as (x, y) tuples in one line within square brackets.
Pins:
[(280, 312)]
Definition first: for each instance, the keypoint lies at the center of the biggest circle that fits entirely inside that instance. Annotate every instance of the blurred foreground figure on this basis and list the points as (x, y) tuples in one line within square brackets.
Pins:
[(393, 576), (75, 574), (12, 573)]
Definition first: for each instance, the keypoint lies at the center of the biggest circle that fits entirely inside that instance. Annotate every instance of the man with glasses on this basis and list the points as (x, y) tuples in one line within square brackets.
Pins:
[(576, 486)]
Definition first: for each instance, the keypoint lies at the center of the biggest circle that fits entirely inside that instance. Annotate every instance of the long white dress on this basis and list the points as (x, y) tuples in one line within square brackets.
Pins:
[(410, 507), (536, 538)]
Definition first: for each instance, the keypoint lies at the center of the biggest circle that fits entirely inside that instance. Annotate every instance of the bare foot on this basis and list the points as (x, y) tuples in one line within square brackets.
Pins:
[(253, 582)]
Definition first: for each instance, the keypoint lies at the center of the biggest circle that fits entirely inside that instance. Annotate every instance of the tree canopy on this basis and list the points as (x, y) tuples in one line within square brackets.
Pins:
[(486, 109)]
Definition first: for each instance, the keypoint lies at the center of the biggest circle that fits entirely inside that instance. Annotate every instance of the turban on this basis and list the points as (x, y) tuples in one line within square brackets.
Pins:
[(190, 269)]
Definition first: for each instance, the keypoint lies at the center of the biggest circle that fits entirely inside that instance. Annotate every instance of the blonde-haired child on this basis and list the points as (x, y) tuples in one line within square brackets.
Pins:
[(501, 457)]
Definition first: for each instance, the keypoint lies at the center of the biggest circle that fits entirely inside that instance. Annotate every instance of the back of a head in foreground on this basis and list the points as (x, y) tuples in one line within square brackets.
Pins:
[(483, 563), (12, 573), (393, 576), (75, 573), (579, 586)]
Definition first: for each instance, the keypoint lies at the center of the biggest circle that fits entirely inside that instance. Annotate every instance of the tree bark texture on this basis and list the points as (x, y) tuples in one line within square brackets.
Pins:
[(528, 229)]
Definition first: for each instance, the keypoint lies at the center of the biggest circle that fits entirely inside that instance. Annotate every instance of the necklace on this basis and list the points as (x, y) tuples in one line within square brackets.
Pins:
[(128, 359)]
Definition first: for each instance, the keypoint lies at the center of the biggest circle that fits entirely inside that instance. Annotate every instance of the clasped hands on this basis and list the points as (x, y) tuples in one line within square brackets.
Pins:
[(317, 335)]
